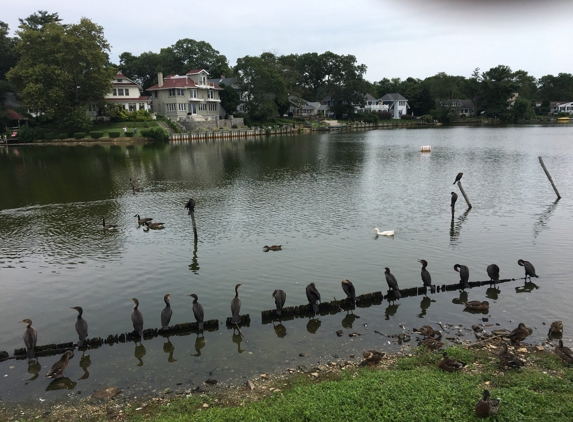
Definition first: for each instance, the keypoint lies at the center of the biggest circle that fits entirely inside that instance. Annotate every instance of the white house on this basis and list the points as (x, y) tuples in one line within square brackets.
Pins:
[(374, 105), (397, 104), (189, 95), (125, 92), (564, 108)]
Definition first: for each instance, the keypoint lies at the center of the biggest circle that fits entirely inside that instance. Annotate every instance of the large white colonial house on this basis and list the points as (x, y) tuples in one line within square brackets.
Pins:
[(125, 92), (185, 96), (397, 104)]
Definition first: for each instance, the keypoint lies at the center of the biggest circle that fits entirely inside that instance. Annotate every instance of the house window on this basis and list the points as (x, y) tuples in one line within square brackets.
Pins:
[(115, 92), (210, 95), (182, 107), (193, 93), (170, 107), (212, 107), (202, 80), (142, 106), (202, 107), (192, 109), (120, 91), (132, 107), (180, 92), (93, 107), (126, 91), (120, 80), (171, 92), (402, 103), (155, 93)]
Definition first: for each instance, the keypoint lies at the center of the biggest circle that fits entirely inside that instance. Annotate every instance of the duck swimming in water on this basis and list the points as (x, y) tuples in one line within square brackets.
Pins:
[(384, 233), (272, 248)]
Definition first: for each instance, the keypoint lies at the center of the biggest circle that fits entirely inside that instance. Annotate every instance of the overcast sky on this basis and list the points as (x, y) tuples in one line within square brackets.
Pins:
[(393, 38)]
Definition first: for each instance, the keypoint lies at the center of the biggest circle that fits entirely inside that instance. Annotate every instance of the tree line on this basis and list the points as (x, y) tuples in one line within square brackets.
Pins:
[(57, 68)]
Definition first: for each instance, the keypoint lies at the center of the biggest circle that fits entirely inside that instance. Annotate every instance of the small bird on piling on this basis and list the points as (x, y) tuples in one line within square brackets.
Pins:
[(464, 275), (486, 406), (108, 226), (454, 199), (59, 367), (166, 313), (529, 269), (236, 306), (30, 338), (493, 273), (313, 296), (458, 177), (449, 364), (508, 359), (519, 334), (272, 248), (280, 299), (426, 277), (141, 221), (198, 311), (392, 283), (564, 353), (556, 328), (348, 288), (190, 205), (81, 326), (476, 305), (137, 319), (428, 331)]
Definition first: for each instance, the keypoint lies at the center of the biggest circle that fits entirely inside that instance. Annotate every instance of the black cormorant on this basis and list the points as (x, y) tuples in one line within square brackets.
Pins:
[(198, 311), (190, 205), (348, 288), (280, 299), (137, 319), (81, 326), (30, 338), (529, 269), (392, 283), (493, 273), (166, 312), (464, 275), (454, 199), (426, 277), (458, 177), (236, 306), (313, 296)]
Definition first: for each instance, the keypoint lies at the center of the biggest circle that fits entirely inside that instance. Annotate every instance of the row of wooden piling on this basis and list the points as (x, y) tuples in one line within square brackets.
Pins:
[(230, 134)]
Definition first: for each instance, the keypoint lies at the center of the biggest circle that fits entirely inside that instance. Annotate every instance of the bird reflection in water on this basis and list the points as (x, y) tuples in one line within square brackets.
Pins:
[(199, 344), (313, 325), (424, 305), (349, 319), (237, 339), (34, 369), (462, 299), (139, 353), (280, 330), (391, 311), (492, 293), (169, 349), (62, 383), (85, 363), (456, 227), (526, 288)]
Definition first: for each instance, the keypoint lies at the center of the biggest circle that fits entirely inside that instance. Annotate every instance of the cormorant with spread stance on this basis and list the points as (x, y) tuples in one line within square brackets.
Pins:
[(464, 275), (81, 326), (392, 283), (348, 288), (280, 299), (454, 199), (493, 273), (190, 205), (166, 313), (30, 338), (458, 177), (198, 311), (313, 296), (426, 277), (236, 306), (59, 367), (137, 319), (529, 269)]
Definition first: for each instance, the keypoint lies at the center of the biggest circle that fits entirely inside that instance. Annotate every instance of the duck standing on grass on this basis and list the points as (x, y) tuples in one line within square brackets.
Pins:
[(487, 407), (450, 365)]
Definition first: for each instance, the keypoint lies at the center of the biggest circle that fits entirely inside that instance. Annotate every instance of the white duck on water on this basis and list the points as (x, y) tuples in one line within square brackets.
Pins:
[(384, 233)]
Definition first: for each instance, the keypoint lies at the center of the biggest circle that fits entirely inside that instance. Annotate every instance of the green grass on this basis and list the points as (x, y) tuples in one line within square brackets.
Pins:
[(412, 389)]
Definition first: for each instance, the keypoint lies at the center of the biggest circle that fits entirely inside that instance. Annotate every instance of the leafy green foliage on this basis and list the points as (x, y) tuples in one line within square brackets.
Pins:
[(113, 134), (157, 134)]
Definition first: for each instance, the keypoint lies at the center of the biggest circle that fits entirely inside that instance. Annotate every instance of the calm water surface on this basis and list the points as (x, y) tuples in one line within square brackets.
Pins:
[(319, 196)]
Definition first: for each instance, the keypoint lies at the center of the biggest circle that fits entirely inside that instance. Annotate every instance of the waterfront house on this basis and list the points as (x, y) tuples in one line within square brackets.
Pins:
[(459, 107), (397, 104), (373, 105), (564, 108), (126, 93), (233, 83), (186, 96)]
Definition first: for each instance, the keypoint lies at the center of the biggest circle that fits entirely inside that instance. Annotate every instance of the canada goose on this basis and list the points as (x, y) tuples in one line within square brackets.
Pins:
[(154, 226), (108, 226), (142, 220)]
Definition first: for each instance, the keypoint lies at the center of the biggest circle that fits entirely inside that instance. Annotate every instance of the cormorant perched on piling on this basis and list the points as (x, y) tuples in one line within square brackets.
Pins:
[(348, 288), (464, 275), (198, 311), (280, 299), (458, 177), (426, 277), (190, 205), (59, 367), (236, 306), (493, 273), (137, 319), (454, 199), (30, 338), (166, 313), (392, 283), (313, 296), (529, 269), (81, 326)]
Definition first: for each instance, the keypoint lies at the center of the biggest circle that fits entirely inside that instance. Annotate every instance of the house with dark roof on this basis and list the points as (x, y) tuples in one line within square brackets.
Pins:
[(374, 105), (186, 96), (459, 107), (233, 83), (397, 104), (562, 107), (126, 93)]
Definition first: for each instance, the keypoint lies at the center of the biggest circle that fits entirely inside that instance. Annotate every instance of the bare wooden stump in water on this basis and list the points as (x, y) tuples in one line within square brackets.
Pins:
[(549, 177), (464, 194)]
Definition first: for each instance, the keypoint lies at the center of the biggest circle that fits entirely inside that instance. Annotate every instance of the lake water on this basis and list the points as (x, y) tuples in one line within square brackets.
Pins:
[(319, 196)]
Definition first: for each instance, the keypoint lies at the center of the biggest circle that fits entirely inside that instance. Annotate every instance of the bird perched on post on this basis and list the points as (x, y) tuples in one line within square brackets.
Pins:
[(198, 311), (348, 288), (236, 306), (190, 205), (392, 283), (137, 319), (454, 199), (59, 367), (81, 326), (529, 269), (30, 338), (486, 406), (280, 299), (313, 296), (493, 273), (464, 275), (166, 313), (449, 364), (426, 277), (458, 177)]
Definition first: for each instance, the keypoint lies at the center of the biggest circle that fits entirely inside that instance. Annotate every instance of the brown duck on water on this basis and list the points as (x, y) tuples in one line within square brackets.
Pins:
[(556, 328), (272, 248), (59, 367), (476, 305)]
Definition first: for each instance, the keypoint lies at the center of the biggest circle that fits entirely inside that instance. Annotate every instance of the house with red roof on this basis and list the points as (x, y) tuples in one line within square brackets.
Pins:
[(186, 96), (126, 93)]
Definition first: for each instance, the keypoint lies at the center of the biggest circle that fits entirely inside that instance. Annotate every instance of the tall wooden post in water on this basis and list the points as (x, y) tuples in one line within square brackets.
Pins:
[(464, 194), (549, 177)]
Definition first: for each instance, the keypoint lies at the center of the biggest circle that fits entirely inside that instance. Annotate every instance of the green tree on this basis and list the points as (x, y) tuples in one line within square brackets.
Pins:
[(61, 67), (522, 109), (556, 88), (526, 84), (7, 50), (419, 97), (37, 21), (142, 69), (498, 87), (230, 99)]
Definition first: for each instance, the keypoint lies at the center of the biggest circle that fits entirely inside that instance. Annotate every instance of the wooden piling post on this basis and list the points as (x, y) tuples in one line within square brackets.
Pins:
[(464, 194), (192, 213), (549, 177)]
